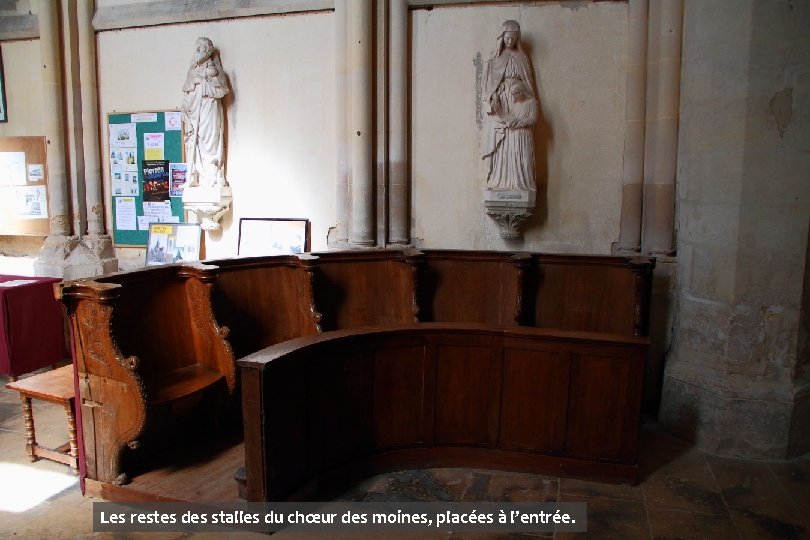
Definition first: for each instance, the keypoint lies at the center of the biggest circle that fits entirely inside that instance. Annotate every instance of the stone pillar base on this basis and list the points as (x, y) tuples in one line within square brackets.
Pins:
[(207, 204), (733, 426), (69, 257), (509, 209)]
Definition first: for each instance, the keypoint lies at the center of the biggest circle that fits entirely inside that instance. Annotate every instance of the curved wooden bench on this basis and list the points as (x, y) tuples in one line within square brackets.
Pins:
[(153, 337), (357, 402)]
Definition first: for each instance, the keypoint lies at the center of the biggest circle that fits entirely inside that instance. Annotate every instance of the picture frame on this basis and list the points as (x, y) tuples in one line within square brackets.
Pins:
[(260, 237), (173, 243), (3, 109)]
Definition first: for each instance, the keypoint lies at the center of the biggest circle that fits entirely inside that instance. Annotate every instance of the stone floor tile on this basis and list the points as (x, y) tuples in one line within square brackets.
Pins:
[(762, 524), (748, 484), (9, 410), (688, 495), (583, 488), (611, 518), (690, 463), (510, 487), (415, 485), (456, 482), (671, 524), (478, 489), (794, 477)]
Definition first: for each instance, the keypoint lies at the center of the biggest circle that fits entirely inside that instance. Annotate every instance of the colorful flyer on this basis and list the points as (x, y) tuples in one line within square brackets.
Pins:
[(177, 178), (153, 145), (155, 180)]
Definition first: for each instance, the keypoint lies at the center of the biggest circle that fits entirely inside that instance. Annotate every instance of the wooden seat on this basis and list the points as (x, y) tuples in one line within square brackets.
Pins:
[(181, 383), (54, 386)]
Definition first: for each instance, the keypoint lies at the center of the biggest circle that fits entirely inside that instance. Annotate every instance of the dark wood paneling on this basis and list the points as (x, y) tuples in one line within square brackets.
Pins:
[(262, 305), (464, 394), (533, 405), (338, 406), (399, 396), (468, 287), (352, 293), (590, 295), (518, 392), (603, 405)]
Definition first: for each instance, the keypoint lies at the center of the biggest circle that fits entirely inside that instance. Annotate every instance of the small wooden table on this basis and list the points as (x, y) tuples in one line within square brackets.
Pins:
[(54, 386)]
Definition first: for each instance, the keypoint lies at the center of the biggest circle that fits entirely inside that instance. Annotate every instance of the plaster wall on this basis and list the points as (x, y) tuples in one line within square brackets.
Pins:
[(579, 55), (733, 382), (23, 85), (280, 113)]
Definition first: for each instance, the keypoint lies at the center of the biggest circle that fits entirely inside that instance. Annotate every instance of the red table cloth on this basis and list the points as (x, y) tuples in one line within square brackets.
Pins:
[(32, 332)]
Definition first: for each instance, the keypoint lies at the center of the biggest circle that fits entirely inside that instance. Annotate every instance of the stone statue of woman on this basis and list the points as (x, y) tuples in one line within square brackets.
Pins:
[(203, 117), (509, 91)]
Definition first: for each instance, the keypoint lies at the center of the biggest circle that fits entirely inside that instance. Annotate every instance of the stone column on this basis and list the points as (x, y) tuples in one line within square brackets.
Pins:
[(49, 42), (92, 163), (101, 255), (399, 227), (59, 244), (341, 231), (633, 177), (737, 379), (73, 116), (361, 230), (661, 133)]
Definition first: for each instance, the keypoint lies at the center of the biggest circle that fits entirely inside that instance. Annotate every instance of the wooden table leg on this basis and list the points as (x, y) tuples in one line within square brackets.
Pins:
[(74, 446), (30, 435)]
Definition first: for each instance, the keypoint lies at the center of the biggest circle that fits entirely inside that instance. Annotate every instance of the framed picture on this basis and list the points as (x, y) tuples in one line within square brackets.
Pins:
[(3, 110), (272, 236), (172, 243)]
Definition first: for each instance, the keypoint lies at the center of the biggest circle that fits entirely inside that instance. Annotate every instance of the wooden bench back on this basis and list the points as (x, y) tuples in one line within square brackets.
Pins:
[(264, 301)]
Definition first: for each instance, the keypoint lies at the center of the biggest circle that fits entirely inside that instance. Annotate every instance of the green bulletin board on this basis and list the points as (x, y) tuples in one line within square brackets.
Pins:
[(132, 139)]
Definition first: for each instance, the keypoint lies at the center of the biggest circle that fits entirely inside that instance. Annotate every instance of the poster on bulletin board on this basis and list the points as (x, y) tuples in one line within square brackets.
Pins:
[(145, 151)]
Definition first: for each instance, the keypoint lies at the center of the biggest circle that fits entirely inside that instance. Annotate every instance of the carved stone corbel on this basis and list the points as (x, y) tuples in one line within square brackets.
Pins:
[(509, 209)]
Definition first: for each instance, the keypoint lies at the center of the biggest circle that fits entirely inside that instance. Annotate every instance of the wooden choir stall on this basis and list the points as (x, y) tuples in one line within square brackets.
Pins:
[(315, 369)]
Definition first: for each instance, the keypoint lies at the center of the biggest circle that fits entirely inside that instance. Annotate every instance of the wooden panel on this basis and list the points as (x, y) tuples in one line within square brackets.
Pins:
[(283, 418), (588, 295), (465, 383), (603, 405), (339, 407), (399, 396), (465, 288), (535, 391), (262, 305), (153, 324), (356, 293)]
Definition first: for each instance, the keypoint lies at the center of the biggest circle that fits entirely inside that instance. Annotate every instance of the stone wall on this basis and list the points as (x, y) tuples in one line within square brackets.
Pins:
[(733, 382)]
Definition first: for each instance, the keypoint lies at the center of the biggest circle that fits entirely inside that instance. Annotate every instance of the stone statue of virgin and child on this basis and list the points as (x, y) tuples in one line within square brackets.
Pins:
[(203, 117), (509, 92)]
